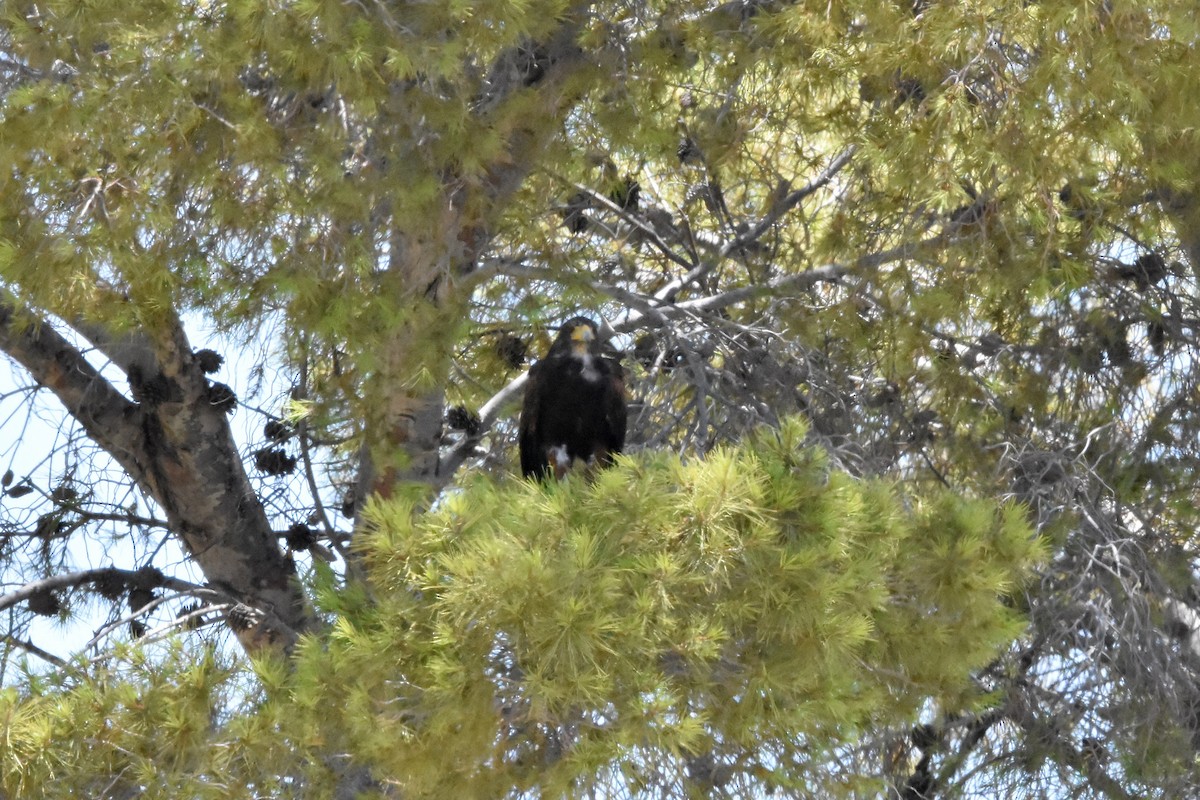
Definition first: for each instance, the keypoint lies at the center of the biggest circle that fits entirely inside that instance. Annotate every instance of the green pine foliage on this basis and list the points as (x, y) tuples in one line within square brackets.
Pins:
[(755, 604), (725, 621), (169, 724), (345, 181)]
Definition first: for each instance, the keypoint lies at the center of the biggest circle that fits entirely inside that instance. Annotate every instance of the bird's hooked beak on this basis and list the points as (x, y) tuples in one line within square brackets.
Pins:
[(581, 337)]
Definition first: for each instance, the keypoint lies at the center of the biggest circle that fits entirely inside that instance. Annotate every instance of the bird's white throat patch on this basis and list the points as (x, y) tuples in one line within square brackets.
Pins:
[(589, 371)]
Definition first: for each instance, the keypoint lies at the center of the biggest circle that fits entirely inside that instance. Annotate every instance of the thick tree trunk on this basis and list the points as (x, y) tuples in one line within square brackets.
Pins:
[(177, 445)]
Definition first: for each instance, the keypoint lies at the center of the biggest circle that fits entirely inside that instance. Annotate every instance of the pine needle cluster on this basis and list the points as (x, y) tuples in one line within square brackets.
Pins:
[(669, 628), (726, 619)]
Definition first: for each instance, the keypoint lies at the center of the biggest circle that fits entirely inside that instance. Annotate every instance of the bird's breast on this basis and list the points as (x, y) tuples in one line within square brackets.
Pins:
[(587, 368)]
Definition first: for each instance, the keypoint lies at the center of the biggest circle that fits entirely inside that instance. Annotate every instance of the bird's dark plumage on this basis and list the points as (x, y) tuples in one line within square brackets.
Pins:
[(574, 404)]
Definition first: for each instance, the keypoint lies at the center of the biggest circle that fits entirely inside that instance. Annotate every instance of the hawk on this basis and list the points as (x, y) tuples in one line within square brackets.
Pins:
[(574, 405)]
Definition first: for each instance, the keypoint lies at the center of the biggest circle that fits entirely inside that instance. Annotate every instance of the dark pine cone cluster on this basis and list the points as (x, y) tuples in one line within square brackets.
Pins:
[(274, 461)]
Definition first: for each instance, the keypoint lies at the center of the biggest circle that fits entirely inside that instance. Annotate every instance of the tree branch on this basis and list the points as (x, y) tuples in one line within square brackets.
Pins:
[(790, 201), (33, 649), (130, 350), (109, 418), (656, 315), (642, 225), (71, 580)]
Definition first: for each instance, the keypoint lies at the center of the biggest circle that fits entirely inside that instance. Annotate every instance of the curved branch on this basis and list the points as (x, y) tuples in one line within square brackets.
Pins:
[(110, 419), (72, 580), (33, 649), (129, 350)]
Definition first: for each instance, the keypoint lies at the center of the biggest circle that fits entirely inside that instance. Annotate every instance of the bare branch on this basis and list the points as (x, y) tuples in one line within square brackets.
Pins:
[(72, 580), (107, 416), (158, 632), (790, 201), (634, 220), (33, 649), (131, 349)]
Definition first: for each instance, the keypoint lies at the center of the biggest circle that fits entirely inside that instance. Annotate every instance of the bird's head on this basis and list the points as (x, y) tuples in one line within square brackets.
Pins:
[(582, 337), (578, 334)]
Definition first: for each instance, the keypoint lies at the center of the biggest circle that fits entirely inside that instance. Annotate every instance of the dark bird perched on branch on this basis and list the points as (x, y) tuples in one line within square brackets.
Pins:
[(574, 404)]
